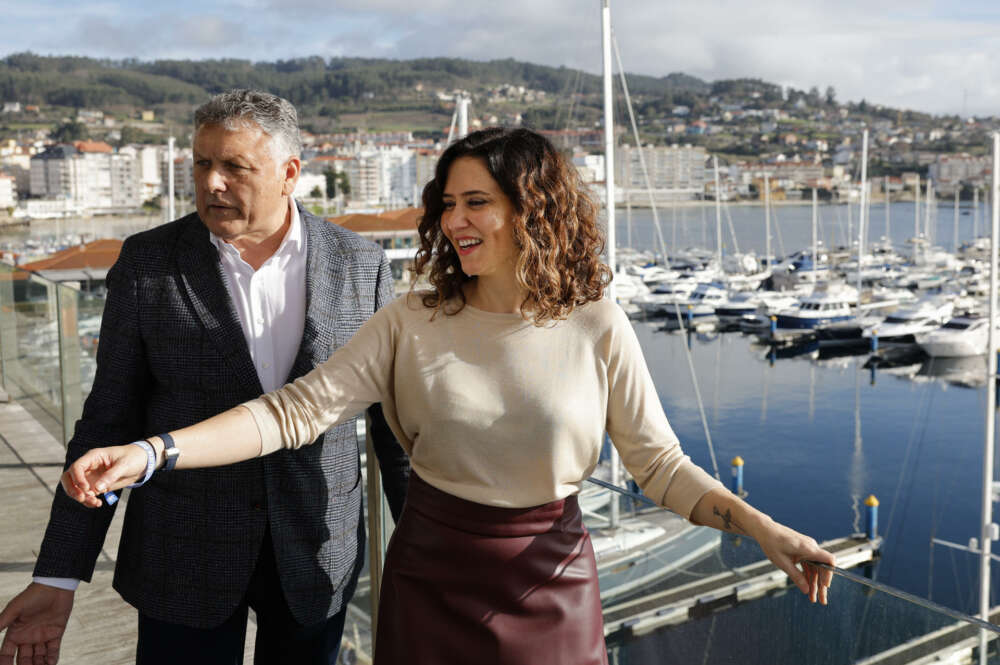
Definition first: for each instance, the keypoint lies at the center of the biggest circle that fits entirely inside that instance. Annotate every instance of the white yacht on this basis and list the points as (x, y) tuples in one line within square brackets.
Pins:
[(961, 336), (903, 325), (699, 308)]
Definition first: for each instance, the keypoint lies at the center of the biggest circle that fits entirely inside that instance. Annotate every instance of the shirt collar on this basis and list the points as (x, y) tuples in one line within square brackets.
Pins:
[(291, 243)]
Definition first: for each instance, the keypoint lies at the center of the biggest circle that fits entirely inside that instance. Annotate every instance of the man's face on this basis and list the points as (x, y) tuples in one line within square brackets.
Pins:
[(240, 188)]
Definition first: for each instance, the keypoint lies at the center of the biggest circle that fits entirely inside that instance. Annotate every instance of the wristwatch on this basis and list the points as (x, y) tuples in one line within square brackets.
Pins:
[(170, 452)]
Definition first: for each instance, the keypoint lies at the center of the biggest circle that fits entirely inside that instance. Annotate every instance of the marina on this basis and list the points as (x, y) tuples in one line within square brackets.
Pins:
[(820, 428)]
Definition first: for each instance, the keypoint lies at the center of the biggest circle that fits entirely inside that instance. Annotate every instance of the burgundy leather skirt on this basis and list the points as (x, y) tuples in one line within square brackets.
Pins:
[(470, 583)]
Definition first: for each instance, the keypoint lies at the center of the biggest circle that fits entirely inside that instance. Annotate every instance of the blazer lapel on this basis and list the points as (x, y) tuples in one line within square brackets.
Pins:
[(324, 284), (201, 275)]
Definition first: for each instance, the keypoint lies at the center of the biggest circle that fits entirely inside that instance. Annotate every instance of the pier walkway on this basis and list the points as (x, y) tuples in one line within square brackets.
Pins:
[(677, 604), (951, 644), (102, 628)]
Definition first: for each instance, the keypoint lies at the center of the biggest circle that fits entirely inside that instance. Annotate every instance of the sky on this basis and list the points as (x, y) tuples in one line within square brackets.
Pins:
[(928, 55)]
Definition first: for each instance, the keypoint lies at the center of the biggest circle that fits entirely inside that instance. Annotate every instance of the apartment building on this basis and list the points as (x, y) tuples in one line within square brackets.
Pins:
[(89, 175), (948, 172), (383, 175), (675, 172), (8, 191)]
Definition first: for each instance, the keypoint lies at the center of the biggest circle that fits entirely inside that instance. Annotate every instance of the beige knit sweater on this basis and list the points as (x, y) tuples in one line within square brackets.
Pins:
[(492, 408)]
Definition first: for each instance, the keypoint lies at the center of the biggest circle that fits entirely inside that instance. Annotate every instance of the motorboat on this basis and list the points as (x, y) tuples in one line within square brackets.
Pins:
[(827, 304), (699, 309), (964, 335), (903, 325), (743, 303)]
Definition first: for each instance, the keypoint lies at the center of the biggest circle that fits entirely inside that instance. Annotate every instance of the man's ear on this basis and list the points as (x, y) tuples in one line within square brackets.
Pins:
[(291, 175)]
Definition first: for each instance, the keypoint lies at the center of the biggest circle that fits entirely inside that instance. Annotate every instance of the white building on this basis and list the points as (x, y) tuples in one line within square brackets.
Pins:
[(8, 191), (675, 172), (183, 175), (383, 175), (590, 167), (948, 172), (308, 182), (89, 175), (148, 164)]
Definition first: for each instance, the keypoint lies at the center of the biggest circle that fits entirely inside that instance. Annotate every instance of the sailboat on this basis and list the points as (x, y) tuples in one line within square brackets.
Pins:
[(633, 552)]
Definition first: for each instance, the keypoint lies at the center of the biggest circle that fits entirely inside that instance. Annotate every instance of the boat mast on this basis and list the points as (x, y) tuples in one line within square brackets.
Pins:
[(718, 213), (609, 191), (814, 220), (864, 203), (954, 237), (991, 390), (767, 219), (887, 201)]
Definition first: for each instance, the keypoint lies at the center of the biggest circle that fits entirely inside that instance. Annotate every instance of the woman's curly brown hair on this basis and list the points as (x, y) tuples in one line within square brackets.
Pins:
[(555, 226)]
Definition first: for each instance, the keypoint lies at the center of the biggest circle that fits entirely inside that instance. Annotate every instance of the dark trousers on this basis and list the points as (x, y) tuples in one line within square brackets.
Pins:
[(280, 639)]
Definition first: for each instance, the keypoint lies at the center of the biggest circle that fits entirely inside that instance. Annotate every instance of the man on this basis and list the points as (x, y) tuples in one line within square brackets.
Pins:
[(202, 314)]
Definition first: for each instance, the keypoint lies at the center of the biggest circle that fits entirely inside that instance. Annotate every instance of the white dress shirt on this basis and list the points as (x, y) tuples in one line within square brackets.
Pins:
[(270, 301), (271, 305)]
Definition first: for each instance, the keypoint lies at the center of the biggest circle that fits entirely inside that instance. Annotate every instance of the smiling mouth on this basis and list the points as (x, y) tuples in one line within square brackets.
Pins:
[(467, 245)]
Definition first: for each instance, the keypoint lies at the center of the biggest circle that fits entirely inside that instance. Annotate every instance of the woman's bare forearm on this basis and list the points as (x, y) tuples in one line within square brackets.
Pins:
[(230, 437), (725, 511)]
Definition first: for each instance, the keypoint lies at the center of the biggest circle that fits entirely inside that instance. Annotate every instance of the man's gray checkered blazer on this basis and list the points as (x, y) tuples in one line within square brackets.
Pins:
[(171, 353)]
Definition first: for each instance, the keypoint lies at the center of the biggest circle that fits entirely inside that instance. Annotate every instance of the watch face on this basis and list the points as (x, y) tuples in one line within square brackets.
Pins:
[(170, 455)]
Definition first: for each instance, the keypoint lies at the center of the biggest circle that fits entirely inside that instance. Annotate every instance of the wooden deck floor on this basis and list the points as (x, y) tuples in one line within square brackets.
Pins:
[(102, 628)]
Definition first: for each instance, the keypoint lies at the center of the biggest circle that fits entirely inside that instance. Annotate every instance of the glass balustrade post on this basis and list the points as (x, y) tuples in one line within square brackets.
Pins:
[(8, 329), (70, 390)]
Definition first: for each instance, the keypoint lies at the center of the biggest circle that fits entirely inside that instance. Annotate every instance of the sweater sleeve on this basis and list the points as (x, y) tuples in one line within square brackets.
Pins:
[(355, 376), (639, 429)]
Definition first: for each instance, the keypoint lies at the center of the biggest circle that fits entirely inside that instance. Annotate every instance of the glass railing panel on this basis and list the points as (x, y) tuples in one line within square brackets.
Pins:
[(688, 615), (31, 346), (718, 607), (70, 389)]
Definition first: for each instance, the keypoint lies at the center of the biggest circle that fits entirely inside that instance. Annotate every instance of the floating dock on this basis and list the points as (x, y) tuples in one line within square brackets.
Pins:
[(954, 645), (678, 604)]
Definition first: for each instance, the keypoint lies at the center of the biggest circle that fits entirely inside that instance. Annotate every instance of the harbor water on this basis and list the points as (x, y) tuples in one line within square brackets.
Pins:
[(818, 434)]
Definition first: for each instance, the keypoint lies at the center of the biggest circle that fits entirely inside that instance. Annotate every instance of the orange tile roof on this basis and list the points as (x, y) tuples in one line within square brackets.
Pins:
[(405, 219), (92, 146), (97, 254)]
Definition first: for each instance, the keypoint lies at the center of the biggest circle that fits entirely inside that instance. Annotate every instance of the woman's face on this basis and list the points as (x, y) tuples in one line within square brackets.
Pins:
[(477, 219)]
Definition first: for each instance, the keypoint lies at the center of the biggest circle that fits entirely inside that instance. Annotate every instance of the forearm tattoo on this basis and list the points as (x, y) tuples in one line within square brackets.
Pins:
[(728, 523)]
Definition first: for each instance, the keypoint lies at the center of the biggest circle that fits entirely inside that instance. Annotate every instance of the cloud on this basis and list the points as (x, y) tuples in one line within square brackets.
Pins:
[(159, 36), (919, 53)]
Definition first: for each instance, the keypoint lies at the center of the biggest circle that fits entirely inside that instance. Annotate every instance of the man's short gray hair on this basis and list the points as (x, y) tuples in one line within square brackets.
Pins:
[(275, 116)]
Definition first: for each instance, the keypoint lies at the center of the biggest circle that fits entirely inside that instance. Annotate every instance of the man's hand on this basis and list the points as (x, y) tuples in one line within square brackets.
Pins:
[(35, 621)]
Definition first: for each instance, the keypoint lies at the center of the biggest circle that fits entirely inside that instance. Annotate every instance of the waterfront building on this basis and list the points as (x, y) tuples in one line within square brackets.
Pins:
[(787, 175), (183, 174), (675, 172), (382, 175), (948, 172), (148, 164), (590, 167), (88, 176)]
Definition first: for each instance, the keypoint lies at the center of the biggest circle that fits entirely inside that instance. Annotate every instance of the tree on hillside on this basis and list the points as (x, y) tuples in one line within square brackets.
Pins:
[(69, 132), (831, 96)]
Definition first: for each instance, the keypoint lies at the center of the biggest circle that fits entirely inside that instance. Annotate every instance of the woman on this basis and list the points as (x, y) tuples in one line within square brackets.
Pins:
[(499, 383)]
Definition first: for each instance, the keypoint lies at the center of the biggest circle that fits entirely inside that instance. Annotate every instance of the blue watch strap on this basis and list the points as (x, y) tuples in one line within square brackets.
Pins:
[(170, 452)]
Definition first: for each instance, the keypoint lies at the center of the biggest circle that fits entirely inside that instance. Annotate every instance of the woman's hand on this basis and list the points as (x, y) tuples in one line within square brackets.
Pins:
[(101, 470), (786, 548)]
